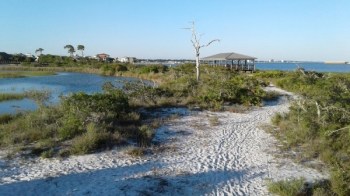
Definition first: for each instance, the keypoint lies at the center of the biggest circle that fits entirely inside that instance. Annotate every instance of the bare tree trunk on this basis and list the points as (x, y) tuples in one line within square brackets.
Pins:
[(197, 66)]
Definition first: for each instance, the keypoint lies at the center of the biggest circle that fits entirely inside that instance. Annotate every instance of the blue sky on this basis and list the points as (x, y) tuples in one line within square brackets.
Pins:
[(266, 29)]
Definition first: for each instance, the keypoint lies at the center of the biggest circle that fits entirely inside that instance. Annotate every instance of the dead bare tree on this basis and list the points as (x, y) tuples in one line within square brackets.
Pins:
[(197, 46)]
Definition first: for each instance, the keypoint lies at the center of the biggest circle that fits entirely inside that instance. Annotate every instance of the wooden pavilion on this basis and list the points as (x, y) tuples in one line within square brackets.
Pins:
[(232, 60)]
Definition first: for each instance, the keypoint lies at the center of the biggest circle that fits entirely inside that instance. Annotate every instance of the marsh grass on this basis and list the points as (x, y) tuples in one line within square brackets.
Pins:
[(12, 96), (22, 74), (6, 118)]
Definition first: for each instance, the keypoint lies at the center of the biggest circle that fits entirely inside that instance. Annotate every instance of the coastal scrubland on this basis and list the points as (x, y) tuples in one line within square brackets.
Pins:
[(83, 123), (317, 125)]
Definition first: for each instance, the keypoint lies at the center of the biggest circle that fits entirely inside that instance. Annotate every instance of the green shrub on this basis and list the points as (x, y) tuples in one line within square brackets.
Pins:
[(94, 139), (71, 126), (146, 69), (120, 67), (287, 188), (104, 108), (320, 122), (108, 69)]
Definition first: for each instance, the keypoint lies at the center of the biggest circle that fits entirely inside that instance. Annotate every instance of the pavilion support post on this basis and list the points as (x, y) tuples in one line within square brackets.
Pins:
[(246, 65), (253, 65)]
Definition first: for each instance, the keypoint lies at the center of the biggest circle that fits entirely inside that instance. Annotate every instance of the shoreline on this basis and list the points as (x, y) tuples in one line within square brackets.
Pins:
[(234, 156)]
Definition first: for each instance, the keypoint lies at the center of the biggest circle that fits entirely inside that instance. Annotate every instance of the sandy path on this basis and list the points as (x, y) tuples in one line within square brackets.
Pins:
[(195, 158)]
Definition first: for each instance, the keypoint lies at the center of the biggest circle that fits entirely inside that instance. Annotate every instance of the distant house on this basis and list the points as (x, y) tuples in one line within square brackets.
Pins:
[(130, 60), (102, 57)]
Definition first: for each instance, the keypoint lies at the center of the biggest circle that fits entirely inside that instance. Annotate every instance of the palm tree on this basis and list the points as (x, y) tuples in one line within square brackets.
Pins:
[(70, 49), (81, 48), (40, 50)]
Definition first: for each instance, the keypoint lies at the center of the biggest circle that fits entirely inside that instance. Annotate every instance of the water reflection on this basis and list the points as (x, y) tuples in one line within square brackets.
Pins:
[(60, 84)]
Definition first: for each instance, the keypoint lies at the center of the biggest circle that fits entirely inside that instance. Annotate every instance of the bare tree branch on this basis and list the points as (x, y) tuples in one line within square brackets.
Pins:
[(215, 40), (197, 46), (329, 133)]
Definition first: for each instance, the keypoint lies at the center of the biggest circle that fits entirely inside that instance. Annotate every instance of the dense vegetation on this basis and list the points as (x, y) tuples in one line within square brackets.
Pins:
[(318, 123)]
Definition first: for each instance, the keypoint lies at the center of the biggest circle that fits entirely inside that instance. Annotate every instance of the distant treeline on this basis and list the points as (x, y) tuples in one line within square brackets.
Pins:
[(47, 60), (15, 58)]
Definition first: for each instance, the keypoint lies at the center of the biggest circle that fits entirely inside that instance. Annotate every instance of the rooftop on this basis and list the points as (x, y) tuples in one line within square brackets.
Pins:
[(228, 56)]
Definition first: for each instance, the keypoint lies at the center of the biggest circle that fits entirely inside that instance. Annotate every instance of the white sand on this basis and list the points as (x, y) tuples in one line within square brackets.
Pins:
[(195, 158)]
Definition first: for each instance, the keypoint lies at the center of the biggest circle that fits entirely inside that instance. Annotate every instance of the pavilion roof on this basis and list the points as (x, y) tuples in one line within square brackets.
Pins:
[(228, 56)]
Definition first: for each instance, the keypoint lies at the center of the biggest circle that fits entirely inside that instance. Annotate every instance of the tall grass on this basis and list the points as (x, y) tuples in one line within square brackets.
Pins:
[(11, 96), (21, 74)]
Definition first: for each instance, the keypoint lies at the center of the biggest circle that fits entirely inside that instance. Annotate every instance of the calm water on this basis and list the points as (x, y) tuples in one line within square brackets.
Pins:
[(61, 84), (319, 67)]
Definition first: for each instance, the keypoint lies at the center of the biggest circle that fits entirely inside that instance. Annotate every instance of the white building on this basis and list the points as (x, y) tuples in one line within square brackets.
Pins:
[(126, 59)]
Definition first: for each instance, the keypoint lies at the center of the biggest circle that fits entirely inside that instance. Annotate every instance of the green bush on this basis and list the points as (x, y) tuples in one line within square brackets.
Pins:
[(152, 69), (98, 108), (120, 67), (287, 188), (92, 140), (71, 126), (30, 127)]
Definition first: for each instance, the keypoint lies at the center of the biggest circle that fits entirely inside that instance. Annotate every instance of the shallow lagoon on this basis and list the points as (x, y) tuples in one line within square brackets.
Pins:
[(60, 84)]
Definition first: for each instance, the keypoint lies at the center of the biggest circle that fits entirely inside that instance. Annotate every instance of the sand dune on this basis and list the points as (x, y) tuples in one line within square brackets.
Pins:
[(193, 157)]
